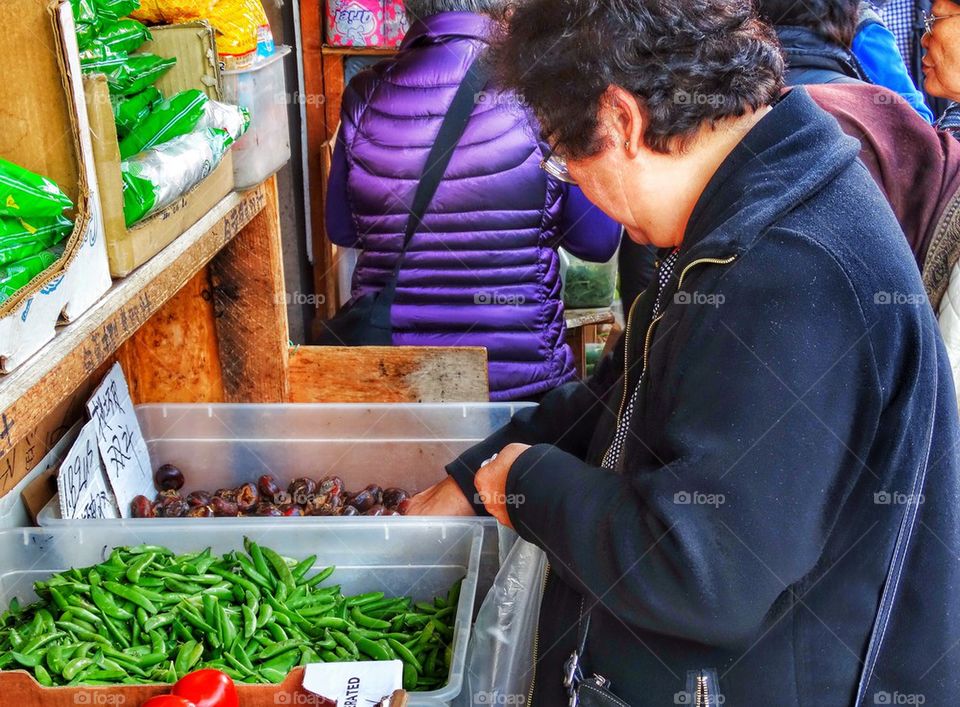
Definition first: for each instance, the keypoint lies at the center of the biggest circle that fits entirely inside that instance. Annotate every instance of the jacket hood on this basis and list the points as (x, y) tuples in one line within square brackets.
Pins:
[(787, 157), (814, 58)]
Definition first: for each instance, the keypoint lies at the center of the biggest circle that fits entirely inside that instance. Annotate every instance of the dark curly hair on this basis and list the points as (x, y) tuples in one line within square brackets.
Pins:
[(689, 63), (835, 20)]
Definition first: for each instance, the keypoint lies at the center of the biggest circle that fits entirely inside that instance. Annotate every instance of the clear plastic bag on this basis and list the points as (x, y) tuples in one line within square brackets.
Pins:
[(587, 285), (500, 659)]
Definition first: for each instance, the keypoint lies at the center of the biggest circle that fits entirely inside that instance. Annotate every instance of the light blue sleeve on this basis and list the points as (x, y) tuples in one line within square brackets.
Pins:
[(876, 49)]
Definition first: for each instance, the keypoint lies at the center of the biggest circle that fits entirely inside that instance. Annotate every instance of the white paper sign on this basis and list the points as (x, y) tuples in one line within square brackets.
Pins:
[(354, 684), (82, 482), (120, 440)]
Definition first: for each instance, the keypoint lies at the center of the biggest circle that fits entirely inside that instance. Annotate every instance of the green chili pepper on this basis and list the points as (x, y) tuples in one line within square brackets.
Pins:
[(332, 622), (345, 642), (272, 676), (281, 567), (317, 578), (107, 604), (372, 648), (409, 676), (187, 657), (362, 620), (249, 621), (131, 594), (405, 654), (137, 567), (362, 599), (75, 666), (42, 676)]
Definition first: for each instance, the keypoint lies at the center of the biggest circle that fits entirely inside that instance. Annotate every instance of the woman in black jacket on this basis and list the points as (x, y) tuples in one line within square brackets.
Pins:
[(754, 500)]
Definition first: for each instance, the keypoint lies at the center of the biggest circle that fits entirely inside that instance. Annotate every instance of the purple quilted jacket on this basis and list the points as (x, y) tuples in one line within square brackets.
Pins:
[(483, 269)]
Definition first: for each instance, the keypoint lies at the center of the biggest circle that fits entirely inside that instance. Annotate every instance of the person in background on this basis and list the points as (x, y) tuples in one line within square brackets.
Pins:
[(483, 270), (816, 36), (715, 502), (918, 169), (941, 65), (876, 48)]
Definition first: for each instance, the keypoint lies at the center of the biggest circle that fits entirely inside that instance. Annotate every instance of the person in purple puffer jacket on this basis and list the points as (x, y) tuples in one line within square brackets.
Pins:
[(483, 269)]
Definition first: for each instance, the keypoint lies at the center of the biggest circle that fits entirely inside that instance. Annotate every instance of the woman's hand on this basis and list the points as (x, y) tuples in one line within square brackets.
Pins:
[(442, 499), (491, 481)]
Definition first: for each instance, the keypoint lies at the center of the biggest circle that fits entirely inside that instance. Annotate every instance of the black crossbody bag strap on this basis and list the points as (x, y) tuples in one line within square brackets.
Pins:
[(451, 130)]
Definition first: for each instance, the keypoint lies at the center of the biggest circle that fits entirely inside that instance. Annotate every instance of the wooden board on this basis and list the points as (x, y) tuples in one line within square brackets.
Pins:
[(173, 358), (390, 374), (250, 307), (32, 392)]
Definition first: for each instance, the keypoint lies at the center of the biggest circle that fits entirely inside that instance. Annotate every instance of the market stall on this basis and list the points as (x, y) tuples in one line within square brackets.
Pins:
[(142, 251)]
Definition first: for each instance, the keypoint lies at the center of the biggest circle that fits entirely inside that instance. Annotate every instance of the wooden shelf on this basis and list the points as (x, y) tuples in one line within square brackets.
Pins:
[(33, 391), (577, 318), (359, 51)]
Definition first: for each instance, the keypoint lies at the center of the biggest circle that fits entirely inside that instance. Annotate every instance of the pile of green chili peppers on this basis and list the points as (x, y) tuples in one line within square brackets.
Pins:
[(147, 616)]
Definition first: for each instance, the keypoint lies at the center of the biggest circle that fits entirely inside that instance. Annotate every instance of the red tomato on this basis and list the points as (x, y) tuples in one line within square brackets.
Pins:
[(208, 688), (168, 701)]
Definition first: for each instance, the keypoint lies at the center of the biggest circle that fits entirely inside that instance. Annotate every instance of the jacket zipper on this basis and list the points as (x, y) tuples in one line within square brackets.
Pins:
[(702, 680), (536, 637), (649, 336), (703, 691)]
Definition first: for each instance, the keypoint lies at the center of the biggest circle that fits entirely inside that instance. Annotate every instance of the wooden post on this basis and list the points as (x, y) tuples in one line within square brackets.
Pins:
[(173, 358), (250, 307)]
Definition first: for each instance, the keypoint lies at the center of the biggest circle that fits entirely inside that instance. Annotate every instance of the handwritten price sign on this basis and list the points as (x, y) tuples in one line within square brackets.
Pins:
[(82, 482), (120, 440)]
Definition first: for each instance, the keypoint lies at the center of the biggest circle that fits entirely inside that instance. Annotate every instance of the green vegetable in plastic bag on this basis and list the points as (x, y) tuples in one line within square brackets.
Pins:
[(15, 276), (155, 178), (176, 116), (224, 116), (25, 194), (19, 238), (123, 36), (130, 112), (127, 75), (86, 20), (115, 9)]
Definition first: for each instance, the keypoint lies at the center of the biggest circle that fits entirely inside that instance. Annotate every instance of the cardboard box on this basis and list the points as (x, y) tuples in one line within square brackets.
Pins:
[(365, 23), (44, 127), (197, 68), (22, 690)]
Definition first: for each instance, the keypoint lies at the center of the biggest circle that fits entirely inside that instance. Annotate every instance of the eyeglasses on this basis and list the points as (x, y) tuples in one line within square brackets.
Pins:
[(556, 167), (930, 19)]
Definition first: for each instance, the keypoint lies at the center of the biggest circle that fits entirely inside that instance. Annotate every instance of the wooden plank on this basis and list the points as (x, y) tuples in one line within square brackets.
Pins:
[(174, 358), (584, 317), (250, 305), (359, 51), (388, 374), (29, 394)]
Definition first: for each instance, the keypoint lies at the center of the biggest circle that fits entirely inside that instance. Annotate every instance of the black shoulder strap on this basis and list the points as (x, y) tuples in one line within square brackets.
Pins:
[(451, 130)]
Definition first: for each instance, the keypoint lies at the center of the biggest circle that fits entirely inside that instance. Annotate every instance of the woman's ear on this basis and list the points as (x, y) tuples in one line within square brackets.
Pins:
[(623, 120)]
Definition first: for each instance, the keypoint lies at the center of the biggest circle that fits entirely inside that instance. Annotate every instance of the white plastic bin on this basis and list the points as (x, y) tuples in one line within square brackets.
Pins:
[(414, 557), (261, 89)]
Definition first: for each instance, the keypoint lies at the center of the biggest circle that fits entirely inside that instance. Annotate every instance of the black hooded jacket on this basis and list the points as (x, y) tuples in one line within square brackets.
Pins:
[(794, 390)]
